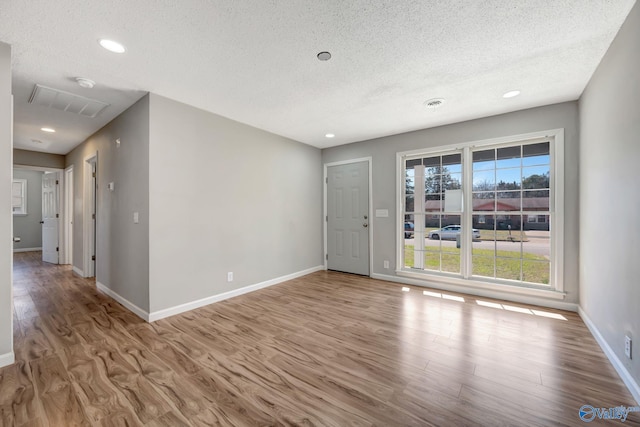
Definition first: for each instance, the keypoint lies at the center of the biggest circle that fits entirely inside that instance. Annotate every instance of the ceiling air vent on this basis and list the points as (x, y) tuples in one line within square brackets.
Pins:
[(65, 101)]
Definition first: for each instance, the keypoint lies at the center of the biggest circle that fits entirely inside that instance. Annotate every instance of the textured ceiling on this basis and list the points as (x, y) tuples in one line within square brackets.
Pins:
[(254, 61)]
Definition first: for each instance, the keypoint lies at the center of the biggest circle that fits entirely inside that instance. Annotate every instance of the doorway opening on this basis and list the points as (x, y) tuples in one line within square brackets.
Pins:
[(39, 221), (89, 214)]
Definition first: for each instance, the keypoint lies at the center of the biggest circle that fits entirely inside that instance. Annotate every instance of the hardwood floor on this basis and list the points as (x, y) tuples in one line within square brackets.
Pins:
[(326, 349)]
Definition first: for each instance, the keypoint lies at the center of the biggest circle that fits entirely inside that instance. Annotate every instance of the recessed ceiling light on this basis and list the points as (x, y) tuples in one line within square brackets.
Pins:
[(330, 135), (324, 56), (434, 103), (111, 46), (511, 94), (50, 130), (84, 82)]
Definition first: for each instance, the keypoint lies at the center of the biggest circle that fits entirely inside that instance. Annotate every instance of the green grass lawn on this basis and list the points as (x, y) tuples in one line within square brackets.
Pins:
[(535, 268)]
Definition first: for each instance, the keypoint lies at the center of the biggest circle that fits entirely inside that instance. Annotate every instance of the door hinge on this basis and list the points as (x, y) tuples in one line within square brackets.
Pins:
[(326, 257), (57, 215), (326, 218), (57, 249), (93, 257), (93, 216), (326, 180), (93, 174), (57, 182)]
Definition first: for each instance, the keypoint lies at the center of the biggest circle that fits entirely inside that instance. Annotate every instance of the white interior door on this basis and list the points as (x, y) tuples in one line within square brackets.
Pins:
[(348, 218), (50, 217)]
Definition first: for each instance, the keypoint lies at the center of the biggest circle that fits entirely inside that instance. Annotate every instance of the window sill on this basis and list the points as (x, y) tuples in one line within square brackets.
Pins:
[(484, 285)]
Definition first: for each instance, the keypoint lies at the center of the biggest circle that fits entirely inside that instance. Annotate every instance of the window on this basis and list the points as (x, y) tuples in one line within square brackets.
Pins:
[(19, 196), (484, 212), (509, 182)]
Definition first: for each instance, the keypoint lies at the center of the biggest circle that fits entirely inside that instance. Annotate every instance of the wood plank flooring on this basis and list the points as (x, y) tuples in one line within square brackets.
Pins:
[(327, 349)]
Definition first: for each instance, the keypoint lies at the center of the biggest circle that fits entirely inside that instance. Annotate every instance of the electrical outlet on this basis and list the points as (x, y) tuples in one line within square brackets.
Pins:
[(627, 346), (386, 263), (230, 276)]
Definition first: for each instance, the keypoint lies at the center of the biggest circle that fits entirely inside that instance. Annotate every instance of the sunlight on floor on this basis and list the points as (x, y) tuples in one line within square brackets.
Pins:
[(521, 310)]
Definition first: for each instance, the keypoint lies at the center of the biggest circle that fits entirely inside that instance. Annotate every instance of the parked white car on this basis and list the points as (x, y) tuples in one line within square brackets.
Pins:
[(450, 232)]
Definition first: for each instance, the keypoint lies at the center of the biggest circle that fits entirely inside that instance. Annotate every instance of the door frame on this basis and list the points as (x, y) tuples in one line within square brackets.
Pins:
[(67, 245), (89, 231), (61, 186), (325, 221)]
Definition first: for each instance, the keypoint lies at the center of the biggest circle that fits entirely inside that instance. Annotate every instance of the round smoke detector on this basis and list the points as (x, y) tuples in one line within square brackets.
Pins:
[(85, 83), (324, 56), (434, 103)]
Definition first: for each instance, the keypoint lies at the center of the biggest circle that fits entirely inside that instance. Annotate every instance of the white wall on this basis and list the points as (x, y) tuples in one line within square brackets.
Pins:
[(383, 151), (226, 197), (122, 247), (609, 195), (28, 227), (6, 248)]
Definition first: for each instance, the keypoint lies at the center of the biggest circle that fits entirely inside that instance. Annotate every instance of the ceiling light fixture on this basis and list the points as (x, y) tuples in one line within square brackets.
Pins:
[(324, 56), (434, 103), (111, 46), (49, 130), (511, 94), (329, 135), (85, 83)]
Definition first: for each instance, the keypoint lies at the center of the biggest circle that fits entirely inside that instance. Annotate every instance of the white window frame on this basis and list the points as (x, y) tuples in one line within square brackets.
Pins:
[(23, 205), (555, 289)]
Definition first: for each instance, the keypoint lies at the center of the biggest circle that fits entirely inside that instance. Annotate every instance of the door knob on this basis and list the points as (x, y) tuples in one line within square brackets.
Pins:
[(365, 217), (365, 225), (41, 222)]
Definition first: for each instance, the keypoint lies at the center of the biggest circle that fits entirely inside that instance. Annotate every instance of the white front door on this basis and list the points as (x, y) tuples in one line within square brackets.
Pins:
[(50, 217), (348, 218)]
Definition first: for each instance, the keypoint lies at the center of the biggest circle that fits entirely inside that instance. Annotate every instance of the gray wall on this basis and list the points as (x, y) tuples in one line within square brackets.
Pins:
[(122, 248), (609, 153), (28, 227), (383, 151), (226, 197), (34, 158), (6, 249)]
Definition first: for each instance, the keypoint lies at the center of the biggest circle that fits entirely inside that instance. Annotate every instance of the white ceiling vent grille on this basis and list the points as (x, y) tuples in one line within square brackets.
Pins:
[(65, 101)]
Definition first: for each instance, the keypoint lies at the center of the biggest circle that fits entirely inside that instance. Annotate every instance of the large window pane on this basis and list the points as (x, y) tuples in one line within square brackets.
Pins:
[(535, 177), (484, 180), (508, 157), (535, 154), (508, 200), (484, 160), (409, 203), (508, 179), (484, 201), (521, 176)]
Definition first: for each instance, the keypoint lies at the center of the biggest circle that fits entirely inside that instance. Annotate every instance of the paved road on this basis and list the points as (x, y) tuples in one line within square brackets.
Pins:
[(538, 246)]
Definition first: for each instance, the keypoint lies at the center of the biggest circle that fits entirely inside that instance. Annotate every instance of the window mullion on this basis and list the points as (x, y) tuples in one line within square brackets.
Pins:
[(466, 246), (418, 218)]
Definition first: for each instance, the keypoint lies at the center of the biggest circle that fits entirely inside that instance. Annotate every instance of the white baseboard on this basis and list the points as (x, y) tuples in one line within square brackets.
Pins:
[(77, 271), (628, 380), (172, 311), (27, 250), (7, 359), (144, 315), (523, 299)]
